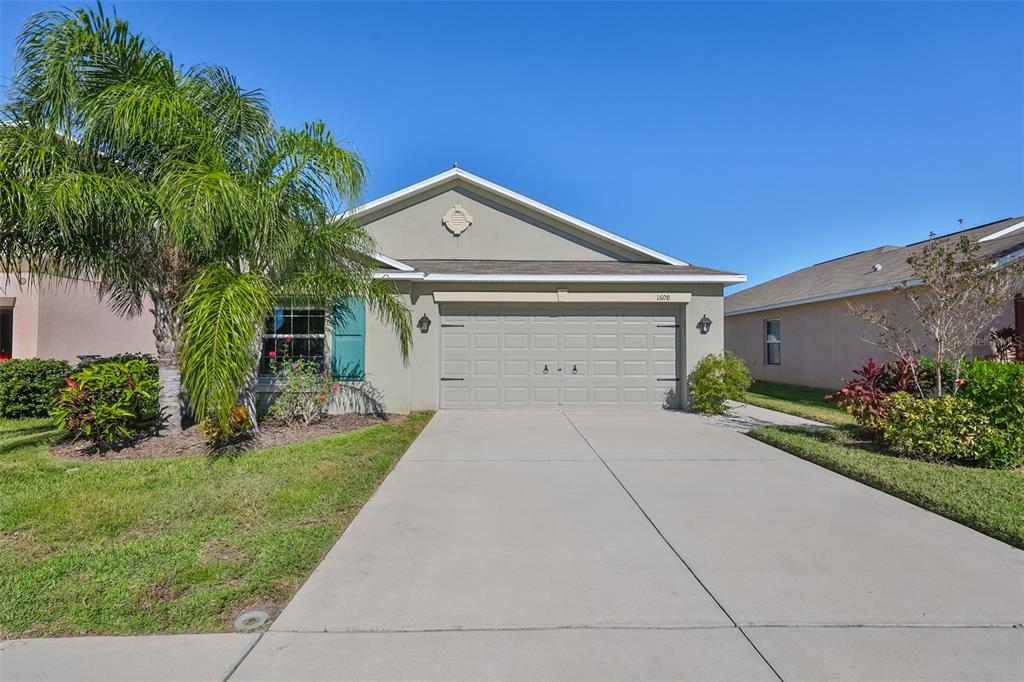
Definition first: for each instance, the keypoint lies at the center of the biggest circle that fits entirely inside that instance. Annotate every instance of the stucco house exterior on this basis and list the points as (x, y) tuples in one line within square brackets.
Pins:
[(517, 305), (799, 328)]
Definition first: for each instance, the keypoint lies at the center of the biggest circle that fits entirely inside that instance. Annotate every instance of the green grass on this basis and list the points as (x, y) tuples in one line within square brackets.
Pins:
[(177, 544), (802, 401), (987, 500)]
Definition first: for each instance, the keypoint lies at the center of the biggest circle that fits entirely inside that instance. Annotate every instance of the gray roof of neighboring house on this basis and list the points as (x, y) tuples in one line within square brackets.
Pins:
[(857, 272), (554, 267)]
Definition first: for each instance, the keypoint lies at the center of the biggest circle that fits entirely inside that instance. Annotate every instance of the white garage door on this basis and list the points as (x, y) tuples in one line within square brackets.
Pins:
[(556, 356)]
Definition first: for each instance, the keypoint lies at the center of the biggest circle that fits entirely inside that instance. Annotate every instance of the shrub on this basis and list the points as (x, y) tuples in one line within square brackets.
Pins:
[(864, 398), (305, 393), (715, 379), (946, 428), (239, 424), (27, 387), (997, 391), (109, 401)]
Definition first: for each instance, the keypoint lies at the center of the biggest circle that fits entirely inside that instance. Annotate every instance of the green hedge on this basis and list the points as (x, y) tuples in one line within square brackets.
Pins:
[(27, 387), (997, 391)]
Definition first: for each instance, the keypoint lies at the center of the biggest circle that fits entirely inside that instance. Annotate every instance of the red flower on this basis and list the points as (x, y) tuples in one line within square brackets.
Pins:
[(334, 387), (288, 339), (960, 382), (272, 353)]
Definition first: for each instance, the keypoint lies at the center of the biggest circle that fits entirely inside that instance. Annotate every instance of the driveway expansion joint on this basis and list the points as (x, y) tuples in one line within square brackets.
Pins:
[(672, 547), (245, 654)]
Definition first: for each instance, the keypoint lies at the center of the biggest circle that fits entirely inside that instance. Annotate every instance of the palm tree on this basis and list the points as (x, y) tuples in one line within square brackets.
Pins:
[(172, 188)]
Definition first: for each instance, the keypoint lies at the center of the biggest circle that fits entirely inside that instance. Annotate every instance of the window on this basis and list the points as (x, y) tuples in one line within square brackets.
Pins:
[(6, 333), (297, 332), (772, 342)]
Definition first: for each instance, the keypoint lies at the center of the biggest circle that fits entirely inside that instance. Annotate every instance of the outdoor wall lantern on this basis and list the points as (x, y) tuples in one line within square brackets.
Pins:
[(424, 324), (704, 325)]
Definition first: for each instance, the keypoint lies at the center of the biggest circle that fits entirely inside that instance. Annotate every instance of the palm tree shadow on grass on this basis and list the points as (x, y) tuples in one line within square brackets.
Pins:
[(27, 436)]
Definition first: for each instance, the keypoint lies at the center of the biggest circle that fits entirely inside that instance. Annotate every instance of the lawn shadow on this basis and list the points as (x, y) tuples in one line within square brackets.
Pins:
[(27, 436)]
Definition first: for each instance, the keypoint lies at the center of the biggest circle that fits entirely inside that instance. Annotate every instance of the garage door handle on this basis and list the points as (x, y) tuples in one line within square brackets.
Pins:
[(574, 369), (545, 369), (452, 379)]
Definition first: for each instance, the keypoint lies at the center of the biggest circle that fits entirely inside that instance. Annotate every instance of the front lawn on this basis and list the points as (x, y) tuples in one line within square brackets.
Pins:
[(990, 501), (180, 544), (802, 401)]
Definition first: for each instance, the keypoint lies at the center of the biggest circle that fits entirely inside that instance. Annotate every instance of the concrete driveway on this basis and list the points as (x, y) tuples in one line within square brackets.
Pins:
[(615, 545)]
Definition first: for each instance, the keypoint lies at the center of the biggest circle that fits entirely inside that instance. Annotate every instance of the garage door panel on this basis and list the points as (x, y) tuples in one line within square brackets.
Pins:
[(485, 341), (545, 395), (495, 356), (455, 368), (485, 368), (576, 367), (515, 368), (635, 368), (636, 395), (455, 341), (664, 369), (664, 341), (515, 341), (575, 341), (576, 395)]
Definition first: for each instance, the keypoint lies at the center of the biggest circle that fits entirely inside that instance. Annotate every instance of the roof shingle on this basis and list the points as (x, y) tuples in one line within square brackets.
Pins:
[(879, 268)]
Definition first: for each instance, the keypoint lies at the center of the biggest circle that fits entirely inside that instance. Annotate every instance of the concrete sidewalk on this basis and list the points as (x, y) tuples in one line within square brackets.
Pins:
[(619, 545)]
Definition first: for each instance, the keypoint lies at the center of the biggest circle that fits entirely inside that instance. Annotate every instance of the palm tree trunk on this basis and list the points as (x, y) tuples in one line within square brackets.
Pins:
[(169, 369), (252, 378)]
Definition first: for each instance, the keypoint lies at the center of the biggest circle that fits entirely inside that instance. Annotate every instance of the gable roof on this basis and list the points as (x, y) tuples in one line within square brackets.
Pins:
[(461, 177), (865, 272)]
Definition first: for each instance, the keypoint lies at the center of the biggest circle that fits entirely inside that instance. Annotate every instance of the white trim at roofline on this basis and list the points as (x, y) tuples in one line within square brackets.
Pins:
[(396, 264), (458, 173), (1002, 233), (817, 299), (613, 279)]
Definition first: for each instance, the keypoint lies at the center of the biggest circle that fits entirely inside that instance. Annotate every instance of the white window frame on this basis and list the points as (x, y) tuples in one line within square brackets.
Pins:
[(767, 343), (322, 335)]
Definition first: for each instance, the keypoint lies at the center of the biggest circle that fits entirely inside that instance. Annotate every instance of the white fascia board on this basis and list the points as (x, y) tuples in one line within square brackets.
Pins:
[(613, 279), (459, 174), (1002, 233), (399, 275), (396, 264), (818, 299)]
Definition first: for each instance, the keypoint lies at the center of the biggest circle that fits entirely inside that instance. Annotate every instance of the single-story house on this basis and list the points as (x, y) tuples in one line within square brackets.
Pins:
[(799, 328), (516, 304)]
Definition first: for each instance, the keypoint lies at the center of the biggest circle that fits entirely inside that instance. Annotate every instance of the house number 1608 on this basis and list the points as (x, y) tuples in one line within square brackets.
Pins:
[(664, 297)]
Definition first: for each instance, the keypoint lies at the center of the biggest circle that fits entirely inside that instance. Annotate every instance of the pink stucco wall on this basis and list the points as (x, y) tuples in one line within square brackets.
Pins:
[(65, 319)]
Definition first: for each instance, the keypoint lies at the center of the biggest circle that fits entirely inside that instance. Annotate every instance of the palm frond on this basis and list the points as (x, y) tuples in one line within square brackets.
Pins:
[(222, 314)]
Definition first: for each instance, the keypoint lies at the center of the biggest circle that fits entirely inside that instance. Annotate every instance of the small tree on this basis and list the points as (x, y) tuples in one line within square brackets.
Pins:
[(954, 294)]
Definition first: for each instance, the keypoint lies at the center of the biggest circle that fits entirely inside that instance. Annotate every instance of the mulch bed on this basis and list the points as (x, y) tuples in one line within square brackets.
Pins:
[(191, 442)]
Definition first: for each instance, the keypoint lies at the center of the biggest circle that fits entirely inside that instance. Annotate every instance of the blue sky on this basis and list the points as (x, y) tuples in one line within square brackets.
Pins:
[(755, 137)]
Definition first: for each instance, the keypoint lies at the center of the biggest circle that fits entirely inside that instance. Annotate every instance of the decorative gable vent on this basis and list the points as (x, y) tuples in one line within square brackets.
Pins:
[(457, 219)]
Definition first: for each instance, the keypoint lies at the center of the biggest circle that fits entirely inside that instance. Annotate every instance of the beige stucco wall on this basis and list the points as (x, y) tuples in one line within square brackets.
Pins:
[(64, 319), (822, 343), (403, 388), (413, 229)]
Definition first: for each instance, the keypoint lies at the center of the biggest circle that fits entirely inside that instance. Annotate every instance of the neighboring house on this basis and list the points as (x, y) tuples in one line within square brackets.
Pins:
[(517, 305), (799, 328), (65, 319)]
